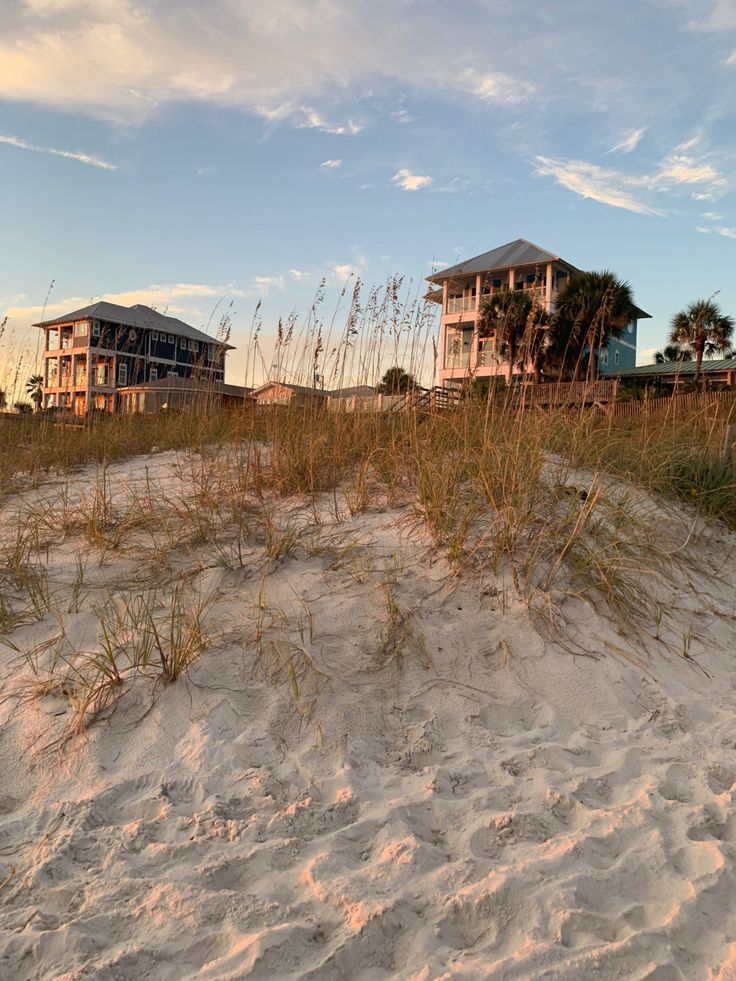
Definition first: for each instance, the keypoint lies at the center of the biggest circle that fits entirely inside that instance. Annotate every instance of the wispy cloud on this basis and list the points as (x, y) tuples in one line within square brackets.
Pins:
[(677, 173), (496, 87), (307, 117), (597, 183), (273, 59), (722, 230), (408, 181), (175, 298), (266, 283), (331, 164), (629, 143), (83, 158)]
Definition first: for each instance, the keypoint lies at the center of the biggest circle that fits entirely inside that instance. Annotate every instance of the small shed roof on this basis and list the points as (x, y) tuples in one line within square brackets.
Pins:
[(136, 316)]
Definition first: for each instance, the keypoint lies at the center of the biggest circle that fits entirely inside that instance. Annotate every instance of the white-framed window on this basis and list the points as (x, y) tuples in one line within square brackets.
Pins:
[(154, 374), (172, 374), (615, 357), (172, 339), (95, 328), (183, 343), (154, 335), (122, 373), (604, 357), (192, 346), (80, 329)]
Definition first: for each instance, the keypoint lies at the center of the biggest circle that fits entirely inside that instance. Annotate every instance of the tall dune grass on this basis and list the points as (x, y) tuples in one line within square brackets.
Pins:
[(545, 500)]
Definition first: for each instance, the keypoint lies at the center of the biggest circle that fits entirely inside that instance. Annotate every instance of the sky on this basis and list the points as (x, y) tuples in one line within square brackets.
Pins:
[(199, 157)]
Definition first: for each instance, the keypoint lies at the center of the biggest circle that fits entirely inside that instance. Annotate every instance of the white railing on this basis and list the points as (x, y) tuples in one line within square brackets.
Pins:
[(460, 304)]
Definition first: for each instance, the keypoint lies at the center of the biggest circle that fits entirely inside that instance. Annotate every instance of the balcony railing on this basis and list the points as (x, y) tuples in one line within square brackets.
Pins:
[(460, 359), (459, 304)]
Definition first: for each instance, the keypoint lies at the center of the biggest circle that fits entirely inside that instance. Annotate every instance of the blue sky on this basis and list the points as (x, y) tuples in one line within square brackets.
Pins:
[(174, 153)]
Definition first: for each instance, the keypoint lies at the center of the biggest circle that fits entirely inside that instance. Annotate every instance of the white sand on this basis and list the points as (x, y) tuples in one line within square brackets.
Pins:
[(492, 804)]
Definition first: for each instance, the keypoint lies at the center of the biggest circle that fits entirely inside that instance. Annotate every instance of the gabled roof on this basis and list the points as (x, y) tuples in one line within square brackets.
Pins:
[(672, 368), (517, 253), (135, 316)]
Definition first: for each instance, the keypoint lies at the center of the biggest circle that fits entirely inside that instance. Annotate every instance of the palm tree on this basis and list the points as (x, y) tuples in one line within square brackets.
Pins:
[(703, 327), (593, 308), (34, 388), (673, 352), (506, 314)]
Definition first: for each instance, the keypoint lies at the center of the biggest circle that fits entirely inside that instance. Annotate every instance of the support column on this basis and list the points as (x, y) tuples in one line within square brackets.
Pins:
[(549, 288)]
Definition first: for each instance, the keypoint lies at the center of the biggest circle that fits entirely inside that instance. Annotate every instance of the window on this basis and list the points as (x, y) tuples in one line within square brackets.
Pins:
[(101, 374), (154, 335), (192, 346), (615, 357), (154, 374), (172, 374), (80, 329), (95, 328), (604, 357), (122, 374), (171, 338), (183, 343)]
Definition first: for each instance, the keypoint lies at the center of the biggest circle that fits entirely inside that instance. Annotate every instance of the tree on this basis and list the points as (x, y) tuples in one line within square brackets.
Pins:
[(593, 308), (704, 328), (673, 352), (396, 381), (34, 389), (23, 407), (506, 314)]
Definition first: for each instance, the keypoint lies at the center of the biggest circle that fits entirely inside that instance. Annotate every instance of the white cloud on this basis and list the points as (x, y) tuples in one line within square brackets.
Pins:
[(496, 87), (408, 181), (629, 143), (402, 116), (266, 283), (163, 297), (594, 182), (308, 118), (725, 232), (84, 158), (284, 60), (298, 274), (681, 169), (331, 164), (712, 216), (646, 356), (625, 190)]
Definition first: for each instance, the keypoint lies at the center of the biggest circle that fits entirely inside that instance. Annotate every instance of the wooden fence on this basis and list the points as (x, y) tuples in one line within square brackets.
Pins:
[(568, 393), (679, 402)]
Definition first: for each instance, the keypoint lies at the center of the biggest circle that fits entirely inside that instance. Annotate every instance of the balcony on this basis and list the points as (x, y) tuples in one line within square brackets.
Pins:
[(461, 304)]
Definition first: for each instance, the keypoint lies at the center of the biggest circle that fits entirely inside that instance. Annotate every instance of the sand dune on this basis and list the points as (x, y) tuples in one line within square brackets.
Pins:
[(378, 769)]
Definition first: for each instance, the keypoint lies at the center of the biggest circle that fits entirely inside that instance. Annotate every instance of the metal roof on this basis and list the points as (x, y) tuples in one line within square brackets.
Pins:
[(672, 368), (517, 253), (135, 316)]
